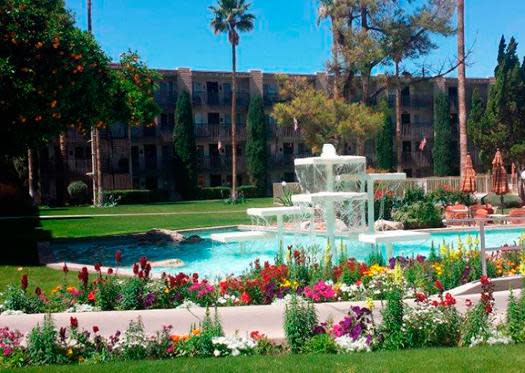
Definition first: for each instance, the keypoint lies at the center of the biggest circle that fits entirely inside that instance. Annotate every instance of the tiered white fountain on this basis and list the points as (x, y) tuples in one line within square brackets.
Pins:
[(337, 201)]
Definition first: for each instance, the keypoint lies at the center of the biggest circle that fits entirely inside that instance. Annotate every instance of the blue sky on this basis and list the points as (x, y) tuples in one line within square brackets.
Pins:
[(176, 33)]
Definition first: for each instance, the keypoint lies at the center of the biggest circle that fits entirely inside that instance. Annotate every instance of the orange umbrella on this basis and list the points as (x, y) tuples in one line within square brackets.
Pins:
[(468, 182), (500, 185)]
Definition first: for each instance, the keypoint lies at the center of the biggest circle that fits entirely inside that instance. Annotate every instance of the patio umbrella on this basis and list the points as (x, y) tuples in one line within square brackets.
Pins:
[(500, 185), (468, 182)]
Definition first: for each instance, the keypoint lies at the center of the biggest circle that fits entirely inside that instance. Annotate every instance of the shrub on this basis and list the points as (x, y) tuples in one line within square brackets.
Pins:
[(42, 344), (135, 341), (132, 292), (445, 197), (78, 191), (202, 342), (107, 294), (418, 215), (320, 344), (248, 191), (128, 196), (516, 318), (300, 320), (412, 195), (18, 300), (393, 336), (509, 200), (220, 192)]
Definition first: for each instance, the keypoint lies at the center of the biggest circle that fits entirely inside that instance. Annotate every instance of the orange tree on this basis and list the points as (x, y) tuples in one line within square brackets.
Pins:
[(54, 76)]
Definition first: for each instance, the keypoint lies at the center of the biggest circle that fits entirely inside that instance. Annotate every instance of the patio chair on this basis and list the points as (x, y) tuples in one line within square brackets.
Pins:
[(517, 213)]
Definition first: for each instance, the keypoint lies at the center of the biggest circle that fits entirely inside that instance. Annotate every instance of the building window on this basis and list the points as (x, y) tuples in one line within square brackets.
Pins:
[(287, 148), (215, 180), (405, 118)]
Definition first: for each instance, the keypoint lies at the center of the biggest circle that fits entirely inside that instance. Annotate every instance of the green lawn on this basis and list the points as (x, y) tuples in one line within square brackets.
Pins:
[(481, 359), (193, 214)]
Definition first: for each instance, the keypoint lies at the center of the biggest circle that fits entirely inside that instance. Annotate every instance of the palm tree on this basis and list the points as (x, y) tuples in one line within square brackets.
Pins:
[(231, 16), (462, 109)]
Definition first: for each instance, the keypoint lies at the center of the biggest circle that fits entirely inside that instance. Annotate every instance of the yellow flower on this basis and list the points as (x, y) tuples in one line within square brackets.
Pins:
[(443, 249), (398, 274), (438, 268), (195, 332), (166, 290), (56, 289), (69, 351), (20, 269), (370, 303)]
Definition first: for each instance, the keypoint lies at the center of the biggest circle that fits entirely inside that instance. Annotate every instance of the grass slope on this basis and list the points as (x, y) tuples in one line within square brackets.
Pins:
[(480, 359)]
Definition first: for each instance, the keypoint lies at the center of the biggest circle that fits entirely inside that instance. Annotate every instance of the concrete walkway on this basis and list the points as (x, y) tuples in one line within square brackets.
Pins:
[(267, 319)]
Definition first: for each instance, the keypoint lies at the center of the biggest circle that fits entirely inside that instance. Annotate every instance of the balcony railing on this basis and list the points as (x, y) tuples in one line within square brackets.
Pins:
[(283, 131), (219, 163), (417, 131), (219, 131), (204, 98), (416, 159)]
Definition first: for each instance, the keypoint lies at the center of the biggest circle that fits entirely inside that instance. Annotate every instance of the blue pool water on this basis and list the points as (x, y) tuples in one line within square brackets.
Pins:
[(213, 259)]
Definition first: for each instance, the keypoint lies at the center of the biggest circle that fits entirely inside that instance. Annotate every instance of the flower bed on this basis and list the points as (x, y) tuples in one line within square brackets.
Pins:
[(429, 323), (334, 277)]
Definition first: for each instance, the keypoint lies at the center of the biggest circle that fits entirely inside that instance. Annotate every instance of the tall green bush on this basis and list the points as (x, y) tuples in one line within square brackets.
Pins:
[(300, 320), (385, 139), (442, 150), (185, 150), (256, 147)]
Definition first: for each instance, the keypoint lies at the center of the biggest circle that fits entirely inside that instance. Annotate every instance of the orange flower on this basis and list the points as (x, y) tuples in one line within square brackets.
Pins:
[(196, 332)]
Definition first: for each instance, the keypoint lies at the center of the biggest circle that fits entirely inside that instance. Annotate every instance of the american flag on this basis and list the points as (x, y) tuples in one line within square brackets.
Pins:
[(295, 124), (422, 144)]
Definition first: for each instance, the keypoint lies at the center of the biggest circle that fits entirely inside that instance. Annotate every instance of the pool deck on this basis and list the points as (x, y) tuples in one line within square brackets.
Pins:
[(267, 319)]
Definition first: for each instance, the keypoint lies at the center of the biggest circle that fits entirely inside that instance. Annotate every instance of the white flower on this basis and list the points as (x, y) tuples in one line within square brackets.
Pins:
[(187, 304), (216, 353), (82, 307), (12, 313), (347, 344), (283, 183)]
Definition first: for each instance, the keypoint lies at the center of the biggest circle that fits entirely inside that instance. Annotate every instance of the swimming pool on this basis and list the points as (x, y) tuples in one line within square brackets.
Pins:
[(213, 259)]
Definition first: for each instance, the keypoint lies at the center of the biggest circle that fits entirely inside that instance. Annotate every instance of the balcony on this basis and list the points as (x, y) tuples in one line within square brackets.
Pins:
[(203, 98), (283, 131), (417, 131), (219, 163), (416, 159), (219, 131)]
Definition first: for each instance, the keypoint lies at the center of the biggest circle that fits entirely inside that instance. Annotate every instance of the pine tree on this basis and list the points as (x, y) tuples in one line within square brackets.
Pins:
[(185, 154), (256, 147), (477, 127), (385, 138), (442, 136), (504, 116)]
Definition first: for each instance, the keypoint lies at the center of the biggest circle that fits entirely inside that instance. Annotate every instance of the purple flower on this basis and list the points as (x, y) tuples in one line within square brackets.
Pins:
[(149, 300)]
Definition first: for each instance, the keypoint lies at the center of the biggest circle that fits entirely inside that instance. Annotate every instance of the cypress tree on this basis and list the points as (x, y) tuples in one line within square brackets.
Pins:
[(385, 139), (256, 147), (477, 127), (185, 150), (442, 149)]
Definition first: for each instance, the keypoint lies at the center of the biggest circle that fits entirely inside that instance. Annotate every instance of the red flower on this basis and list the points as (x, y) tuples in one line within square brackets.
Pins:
[(110, 271), (359, 283), (143, 261), (38, 291), (484, 280), (435, 303), (73, 321), (95, 329), (256, 335), (420, 297), (97, 266), (135, 268), (449, 300), (24, 282), (488, 308), (195, 277), (118, 256), (245, 298), (438, 285), (91, 296), (83, 276), (64, 268), (468, 303)]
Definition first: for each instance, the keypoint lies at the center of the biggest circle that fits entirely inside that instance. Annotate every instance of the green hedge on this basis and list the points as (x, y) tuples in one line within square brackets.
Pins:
[(509, 200), (223, 192), (136, 196)]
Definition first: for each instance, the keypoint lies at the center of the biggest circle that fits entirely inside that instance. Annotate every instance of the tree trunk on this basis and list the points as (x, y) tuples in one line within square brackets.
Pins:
[(399, 149), (462, 109), (30, 174), (98, 156), (63, 167), (335, 60), (94, 164), (234, 123)]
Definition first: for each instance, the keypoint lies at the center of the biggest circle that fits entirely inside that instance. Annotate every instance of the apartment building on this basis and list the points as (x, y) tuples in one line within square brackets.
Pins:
[(142, 157)]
